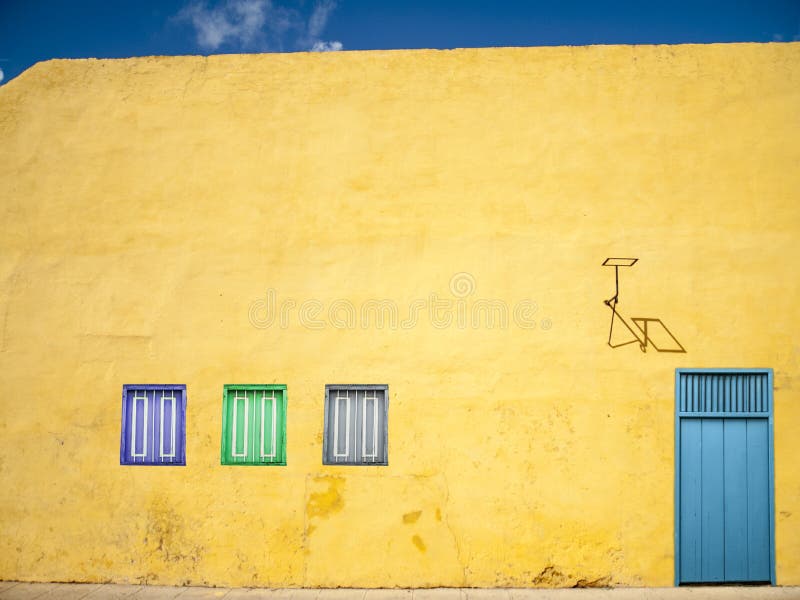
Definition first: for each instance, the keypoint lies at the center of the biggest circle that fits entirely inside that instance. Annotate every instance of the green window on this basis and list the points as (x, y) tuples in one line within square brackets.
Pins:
[(253, 424)]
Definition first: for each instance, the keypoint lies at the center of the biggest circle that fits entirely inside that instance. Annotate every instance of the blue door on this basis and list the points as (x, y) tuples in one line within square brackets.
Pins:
[(724, 503)]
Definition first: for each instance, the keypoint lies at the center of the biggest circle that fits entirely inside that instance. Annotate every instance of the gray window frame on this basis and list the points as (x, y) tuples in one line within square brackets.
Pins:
[(327, 424)]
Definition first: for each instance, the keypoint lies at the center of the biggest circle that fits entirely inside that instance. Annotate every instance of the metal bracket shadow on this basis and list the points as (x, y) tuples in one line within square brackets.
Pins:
[(642, 324)]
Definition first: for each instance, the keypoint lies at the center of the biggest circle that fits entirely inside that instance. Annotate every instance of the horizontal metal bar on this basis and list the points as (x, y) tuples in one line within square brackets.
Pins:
[(356, 387), (370, 463), (154, 386), (749, 415), (758, 371), (254, 386)]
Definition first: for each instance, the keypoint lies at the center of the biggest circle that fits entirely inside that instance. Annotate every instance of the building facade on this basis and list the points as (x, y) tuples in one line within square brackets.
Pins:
[(367, 292)]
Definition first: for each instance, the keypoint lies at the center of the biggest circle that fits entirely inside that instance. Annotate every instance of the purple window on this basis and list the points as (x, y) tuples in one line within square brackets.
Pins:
[(153, 425)]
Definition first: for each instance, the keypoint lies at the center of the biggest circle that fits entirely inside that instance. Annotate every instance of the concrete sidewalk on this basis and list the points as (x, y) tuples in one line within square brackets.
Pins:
[(89, 591)]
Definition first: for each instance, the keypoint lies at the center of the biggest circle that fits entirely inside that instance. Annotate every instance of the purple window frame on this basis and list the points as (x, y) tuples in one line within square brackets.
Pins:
[(158, 419)]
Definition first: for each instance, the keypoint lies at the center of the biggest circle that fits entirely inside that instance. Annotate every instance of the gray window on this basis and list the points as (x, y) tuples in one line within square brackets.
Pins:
[(356, 425)]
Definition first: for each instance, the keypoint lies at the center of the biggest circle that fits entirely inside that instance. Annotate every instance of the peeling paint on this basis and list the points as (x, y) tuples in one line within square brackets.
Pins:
[(600, 582), (550, 576), (166, 538)]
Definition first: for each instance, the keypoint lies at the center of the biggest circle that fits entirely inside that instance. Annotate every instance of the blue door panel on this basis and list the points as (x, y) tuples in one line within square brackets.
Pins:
[(758, 516), (713, 502), (690, 500), (735, 494)]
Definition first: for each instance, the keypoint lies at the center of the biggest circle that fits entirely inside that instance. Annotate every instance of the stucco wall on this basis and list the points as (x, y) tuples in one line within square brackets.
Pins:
[(149, 204)]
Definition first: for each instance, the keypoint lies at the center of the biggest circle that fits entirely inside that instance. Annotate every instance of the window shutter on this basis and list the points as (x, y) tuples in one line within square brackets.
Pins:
[(253, 424), (356, 425), (153, 425)]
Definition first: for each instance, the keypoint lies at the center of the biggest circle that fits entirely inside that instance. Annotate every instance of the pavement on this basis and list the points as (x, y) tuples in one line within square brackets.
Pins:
[(12, 590)]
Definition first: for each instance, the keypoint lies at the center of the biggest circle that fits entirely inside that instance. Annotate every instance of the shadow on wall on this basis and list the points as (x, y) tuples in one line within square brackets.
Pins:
[(650, 331)]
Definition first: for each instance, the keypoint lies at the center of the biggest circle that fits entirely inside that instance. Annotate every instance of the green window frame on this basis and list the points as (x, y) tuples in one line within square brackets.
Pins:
[(253, 424)]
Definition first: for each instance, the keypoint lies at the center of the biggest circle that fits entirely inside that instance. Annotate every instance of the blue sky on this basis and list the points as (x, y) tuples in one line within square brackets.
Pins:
[(34, 30)]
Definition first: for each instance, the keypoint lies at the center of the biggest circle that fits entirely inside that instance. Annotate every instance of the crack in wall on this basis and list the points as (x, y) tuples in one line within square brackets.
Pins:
[(447, 524), (305, 533)]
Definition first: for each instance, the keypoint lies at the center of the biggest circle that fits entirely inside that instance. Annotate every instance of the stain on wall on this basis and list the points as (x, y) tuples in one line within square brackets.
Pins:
[(412, 517), (327, 501)]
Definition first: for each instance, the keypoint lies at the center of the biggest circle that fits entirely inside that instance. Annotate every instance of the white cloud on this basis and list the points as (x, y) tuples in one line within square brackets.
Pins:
[(239, 23), (261, 25), (321, 46), (319, 18), (316, 25), (2, 75), (777, 37)]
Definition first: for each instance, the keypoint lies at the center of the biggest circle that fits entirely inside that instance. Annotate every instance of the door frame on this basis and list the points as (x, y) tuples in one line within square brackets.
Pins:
[(677, 454)]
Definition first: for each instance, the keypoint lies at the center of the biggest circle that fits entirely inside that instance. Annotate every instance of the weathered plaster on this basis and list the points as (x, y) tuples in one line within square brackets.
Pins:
[(148, 203)]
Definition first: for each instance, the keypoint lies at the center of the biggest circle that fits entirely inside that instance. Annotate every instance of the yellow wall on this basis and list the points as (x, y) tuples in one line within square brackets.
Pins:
[(148, 203)]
